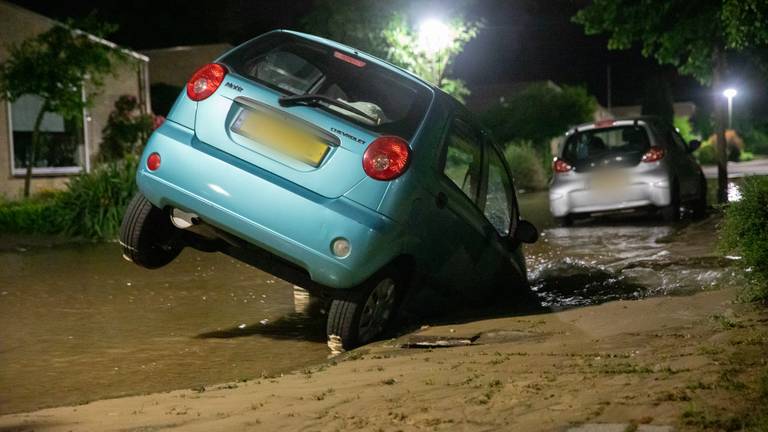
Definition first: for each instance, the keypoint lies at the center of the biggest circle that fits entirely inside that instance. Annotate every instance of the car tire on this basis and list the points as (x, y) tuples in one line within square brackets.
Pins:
[(671, 213), (564, 221), (147, 236), (365, 313), (700, 205)]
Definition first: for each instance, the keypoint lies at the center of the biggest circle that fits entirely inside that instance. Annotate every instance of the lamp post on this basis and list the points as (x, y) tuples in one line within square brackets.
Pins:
[(730, 93)]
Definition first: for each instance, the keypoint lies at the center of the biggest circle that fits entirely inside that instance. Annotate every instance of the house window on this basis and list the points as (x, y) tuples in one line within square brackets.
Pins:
[(61, 148)]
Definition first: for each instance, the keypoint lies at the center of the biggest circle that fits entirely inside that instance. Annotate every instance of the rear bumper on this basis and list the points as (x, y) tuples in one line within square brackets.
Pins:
[(267, 211), (574, 196)]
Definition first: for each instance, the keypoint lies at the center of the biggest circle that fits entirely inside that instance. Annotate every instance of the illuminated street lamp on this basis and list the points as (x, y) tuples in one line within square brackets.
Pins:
[(730, 93), (434, 36)]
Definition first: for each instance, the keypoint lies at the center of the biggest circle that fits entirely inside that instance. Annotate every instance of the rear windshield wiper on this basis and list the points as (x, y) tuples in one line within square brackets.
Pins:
[(315, 99)]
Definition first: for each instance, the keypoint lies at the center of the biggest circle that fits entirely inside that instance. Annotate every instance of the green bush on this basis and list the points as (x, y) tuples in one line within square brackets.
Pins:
[(706, 154), (525, 163), (38, 214), (92, 206), (745, 232), (757, 141)]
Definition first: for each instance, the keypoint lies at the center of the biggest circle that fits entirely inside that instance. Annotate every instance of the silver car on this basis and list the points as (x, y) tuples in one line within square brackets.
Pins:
[(627, 165)]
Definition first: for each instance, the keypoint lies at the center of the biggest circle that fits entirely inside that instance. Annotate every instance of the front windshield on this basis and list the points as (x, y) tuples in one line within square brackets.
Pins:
[(391, 103)]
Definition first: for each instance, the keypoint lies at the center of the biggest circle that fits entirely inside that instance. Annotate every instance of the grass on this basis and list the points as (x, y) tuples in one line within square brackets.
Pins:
[(745, 232)]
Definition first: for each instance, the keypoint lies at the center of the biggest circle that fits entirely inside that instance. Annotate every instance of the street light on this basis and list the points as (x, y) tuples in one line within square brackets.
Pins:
[(730, 93), (434, 36)]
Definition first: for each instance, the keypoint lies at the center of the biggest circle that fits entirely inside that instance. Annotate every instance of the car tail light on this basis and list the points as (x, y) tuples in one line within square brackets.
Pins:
[(560, 166), (386, 158), (205, 81), (653, 154), (153, 161)]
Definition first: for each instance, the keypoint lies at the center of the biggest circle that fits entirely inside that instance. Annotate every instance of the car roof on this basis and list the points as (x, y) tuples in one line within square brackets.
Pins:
[(645, 120)]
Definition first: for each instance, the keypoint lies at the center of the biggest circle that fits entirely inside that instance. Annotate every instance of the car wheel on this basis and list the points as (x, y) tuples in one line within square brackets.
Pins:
[(700, 205), (147, 235), (564, 221), (364, 314), (671, 213)]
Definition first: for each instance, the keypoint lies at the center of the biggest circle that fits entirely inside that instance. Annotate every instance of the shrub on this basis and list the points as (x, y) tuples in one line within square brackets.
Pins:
[(95, 202), (706, 154), (92, 206), (745, 231), (126, 130), (538, 113), (757, 141), (526, 166), (38, 214)]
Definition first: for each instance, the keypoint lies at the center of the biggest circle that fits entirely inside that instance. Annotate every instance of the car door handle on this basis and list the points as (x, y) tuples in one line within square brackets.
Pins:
[(441, 200)]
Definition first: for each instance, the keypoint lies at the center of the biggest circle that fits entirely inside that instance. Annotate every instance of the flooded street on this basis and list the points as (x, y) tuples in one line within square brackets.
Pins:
[(78, 323)]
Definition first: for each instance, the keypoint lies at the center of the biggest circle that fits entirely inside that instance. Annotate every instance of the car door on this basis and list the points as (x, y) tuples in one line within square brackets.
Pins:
[(499, 205), (461, 226)]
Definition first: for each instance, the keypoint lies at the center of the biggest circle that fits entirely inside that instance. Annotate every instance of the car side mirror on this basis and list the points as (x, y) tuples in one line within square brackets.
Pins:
[(526, 232), (693, 145)]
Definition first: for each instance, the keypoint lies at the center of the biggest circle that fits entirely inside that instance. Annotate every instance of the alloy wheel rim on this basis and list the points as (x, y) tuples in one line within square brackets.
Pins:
[(377, 310)]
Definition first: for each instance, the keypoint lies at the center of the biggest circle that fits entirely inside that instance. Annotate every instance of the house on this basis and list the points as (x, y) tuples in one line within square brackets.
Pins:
[(72, 144), (174, 65)]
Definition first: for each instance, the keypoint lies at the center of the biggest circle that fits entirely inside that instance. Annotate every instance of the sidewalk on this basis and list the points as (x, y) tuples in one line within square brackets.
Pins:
[(739, 169)]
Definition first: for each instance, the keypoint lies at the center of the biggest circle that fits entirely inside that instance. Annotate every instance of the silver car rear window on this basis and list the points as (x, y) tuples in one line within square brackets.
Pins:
[(605, 142)]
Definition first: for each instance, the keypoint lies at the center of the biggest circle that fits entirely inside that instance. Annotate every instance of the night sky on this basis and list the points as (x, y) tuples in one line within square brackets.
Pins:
[(524, 40)]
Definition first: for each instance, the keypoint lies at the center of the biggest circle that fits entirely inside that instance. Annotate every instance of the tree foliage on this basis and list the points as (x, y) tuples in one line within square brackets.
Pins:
[(357, 23), (54, 65), (682, 33), (694, 36), (539, 113), (405, 50), (127, 127)]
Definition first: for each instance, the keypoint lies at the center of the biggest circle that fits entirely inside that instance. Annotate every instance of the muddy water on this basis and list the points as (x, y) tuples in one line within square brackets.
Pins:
[(77, 323), (623, 257)]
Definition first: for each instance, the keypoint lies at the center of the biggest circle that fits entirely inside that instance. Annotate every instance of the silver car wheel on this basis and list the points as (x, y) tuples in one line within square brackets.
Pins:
[(377, 310)]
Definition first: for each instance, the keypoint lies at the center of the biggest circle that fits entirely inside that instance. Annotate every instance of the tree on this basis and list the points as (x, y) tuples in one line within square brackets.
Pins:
[(431, 61), (539, 113), (382, 29), (693, 36), (126, 128), (54, 66), (657, 100), (357, 23)]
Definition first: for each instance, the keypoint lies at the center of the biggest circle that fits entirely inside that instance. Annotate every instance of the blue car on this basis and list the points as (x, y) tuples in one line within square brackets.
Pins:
[(335, 171)]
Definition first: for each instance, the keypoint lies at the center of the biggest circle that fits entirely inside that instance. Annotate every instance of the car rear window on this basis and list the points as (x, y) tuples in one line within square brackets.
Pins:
[(393, 104), (605, 142)]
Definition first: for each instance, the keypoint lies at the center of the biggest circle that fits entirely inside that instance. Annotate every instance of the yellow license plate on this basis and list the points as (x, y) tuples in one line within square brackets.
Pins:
[(281, 136)]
